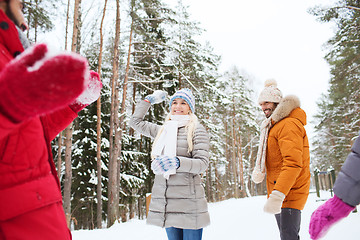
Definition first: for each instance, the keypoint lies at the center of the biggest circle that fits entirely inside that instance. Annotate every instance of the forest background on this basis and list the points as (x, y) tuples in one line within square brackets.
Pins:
[(139, 46)]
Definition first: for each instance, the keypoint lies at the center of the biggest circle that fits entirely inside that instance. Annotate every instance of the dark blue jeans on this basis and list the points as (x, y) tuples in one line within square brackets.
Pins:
[(289, 223), (184, 234)]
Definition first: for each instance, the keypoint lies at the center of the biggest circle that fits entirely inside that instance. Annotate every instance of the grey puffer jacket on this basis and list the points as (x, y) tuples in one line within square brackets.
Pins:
[(180, 201), (347, 184)]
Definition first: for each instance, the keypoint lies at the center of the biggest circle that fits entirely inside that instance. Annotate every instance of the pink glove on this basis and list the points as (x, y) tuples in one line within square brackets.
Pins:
[(90, 95), (326, 215), (37, 82)]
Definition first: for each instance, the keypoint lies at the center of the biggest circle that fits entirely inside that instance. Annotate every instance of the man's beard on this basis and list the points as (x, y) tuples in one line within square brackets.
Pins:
[(268, 112)]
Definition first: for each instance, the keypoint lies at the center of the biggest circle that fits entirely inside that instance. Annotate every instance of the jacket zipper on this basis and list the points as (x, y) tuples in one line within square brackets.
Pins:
[(192, 184), (166, 201)]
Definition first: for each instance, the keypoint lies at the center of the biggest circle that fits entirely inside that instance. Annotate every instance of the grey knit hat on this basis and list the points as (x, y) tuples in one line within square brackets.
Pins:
[(270, 93)]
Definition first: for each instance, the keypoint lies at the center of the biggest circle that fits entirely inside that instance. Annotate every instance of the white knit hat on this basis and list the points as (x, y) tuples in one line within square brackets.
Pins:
[(270, 93)]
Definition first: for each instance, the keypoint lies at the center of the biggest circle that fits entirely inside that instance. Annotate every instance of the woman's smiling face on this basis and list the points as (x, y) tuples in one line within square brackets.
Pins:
[(179, 107)]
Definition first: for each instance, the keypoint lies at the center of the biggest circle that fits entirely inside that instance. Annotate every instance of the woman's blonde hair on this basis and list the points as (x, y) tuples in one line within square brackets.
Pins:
[(190, 129)]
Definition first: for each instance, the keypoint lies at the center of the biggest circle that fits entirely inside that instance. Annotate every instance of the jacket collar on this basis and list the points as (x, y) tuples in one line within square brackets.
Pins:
[(285, 107)]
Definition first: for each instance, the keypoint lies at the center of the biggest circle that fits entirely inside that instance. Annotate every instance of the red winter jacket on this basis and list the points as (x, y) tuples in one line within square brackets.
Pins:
[(10, 45), (28, 181), (28, 178)]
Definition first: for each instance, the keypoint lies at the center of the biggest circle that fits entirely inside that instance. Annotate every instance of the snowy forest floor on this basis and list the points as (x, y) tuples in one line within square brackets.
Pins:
[(232, 219)]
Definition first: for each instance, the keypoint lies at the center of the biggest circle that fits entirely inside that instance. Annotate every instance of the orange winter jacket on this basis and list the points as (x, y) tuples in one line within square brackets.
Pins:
[(288, 157)]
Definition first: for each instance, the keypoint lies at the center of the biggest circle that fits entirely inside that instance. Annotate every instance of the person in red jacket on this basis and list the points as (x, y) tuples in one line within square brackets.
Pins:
[(40, 95)]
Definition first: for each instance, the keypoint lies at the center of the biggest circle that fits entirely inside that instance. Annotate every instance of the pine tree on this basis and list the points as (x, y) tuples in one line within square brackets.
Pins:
[(37, 14), (147, 72), (338, 119), (240, 134), (163, 54), (84, 184)]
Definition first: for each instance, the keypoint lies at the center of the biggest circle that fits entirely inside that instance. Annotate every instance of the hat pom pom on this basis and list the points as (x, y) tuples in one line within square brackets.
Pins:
[(270, 82), (257, 176)]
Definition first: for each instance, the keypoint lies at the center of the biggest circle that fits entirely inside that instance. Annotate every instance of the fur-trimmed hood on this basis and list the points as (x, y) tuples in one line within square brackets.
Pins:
[(289, 106)]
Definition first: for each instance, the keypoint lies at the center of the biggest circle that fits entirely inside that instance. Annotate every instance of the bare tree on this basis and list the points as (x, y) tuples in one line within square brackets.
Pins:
[(60, 141), (233, 159), (113, 194), (98, 131), (68, 130), (123, 101)]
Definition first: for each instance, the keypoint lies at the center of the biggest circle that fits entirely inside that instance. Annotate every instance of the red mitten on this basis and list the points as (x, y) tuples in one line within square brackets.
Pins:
[(38, 82), (90, 95)]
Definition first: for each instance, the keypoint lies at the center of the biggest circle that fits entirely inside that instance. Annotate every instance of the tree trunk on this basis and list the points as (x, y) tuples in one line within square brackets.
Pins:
[(120, 122), (59, 161), (67, 23), (68, 131), (227, 157), (240, 163), (209, 184), (219, 195), (36, 23), (131, 132), (252, 163), (68, 174), (98, 135), (60, 140), (113, 194), (234, 165)]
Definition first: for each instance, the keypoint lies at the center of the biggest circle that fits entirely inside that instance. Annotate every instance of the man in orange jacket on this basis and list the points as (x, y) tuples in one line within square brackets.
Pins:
[(40, 94), (284, 154)]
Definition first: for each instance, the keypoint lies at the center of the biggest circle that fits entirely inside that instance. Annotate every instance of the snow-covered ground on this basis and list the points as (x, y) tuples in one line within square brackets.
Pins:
[(232, 219)]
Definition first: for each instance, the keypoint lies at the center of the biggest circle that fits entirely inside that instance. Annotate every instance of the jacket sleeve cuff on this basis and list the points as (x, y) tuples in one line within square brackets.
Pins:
[(191, 165)]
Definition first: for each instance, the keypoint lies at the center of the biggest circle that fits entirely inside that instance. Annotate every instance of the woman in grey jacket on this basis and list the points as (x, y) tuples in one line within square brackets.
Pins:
[(179, 155), (347, 196)]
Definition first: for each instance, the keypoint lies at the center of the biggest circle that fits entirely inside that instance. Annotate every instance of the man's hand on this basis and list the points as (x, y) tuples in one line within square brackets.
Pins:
[(274, 202)]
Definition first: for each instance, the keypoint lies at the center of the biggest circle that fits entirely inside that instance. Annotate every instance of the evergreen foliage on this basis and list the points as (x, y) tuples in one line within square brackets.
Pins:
[(240, 129), (37, 14), (338, 118), (164, 55)]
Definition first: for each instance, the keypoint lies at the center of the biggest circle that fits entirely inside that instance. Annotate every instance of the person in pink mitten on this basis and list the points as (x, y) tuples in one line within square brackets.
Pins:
[(40, 94), (347, 196)]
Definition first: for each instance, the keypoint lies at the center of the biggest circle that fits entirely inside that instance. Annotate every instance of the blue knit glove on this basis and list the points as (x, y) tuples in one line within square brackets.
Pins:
[(157, 96), (162, 164)]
